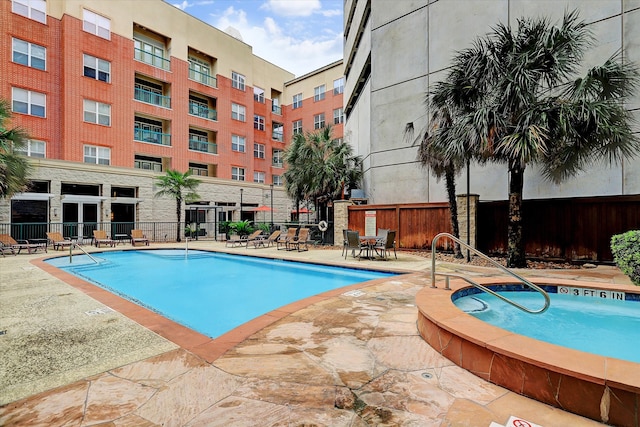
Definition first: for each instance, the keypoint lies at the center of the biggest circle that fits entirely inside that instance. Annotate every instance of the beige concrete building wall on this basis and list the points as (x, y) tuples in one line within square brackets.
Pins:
[(411, 45)]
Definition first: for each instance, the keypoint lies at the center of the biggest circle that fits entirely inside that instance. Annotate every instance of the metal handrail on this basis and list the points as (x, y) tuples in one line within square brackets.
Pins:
[(547, 300), (85, 252)]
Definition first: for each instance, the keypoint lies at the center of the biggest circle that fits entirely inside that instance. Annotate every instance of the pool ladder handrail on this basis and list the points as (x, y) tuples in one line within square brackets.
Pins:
[(82, 249), (535, 287)]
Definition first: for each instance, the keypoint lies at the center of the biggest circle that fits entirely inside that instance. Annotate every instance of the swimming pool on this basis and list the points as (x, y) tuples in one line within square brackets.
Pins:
[(211, 293), (605, 326)]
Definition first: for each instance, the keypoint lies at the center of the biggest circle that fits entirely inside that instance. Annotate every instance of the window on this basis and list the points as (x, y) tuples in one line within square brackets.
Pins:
[(198, 169), (150, 53), (237, 173), (258, 177), (34, 9), (297, 101), (96, 24), (338, 116), (338, 86), (318, 121), (97, 68), (200, 71), (148, 163), (258, 122), (149, 130), (32, 148), (28, 102), (97, 112), (238, 112), (199, 141), (277, 158), (151, 93), (258, 151), (297, 127), (278, 132), (277, 180), (97, 155), (318, 93), (29, 54), (258, 94), (237, 143), (200, 107), (237, 80)]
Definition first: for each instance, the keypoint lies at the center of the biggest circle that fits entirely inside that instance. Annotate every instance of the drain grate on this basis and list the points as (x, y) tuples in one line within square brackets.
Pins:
[(98, 311), (427, 375)]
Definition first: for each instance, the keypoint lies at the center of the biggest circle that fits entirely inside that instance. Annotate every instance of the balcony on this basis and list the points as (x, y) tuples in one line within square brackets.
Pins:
[(200, 110), (205, 79), (276, 109), (151, 59), (203, 146), (153, 137), (277, 136), (277, 164), (151, 97)]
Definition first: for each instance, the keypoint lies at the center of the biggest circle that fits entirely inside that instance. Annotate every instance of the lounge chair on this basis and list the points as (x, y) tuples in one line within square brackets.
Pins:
[(302, 239), (137, 236), (7, 249), (233, 240), (100, 238), (385, 245), (254, 237), (353, 244), (284, 240), (18, 245), (57, 240), (264, 242)]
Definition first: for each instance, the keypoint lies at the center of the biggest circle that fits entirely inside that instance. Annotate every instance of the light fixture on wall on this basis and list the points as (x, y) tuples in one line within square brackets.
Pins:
[(55, 212)]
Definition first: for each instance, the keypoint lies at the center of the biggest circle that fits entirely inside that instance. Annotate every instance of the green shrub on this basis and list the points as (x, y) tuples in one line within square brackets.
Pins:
[(241, 228), (626, 253)]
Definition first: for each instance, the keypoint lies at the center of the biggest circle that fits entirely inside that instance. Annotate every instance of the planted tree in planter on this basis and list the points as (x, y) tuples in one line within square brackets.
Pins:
[(626, 253), (241, 228)]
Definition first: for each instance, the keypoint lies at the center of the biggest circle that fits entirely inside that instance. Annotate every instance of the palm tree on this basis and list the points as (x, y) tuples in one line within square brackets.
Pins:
[(320, 167), (14, 168), (181, 187), (527, 107)]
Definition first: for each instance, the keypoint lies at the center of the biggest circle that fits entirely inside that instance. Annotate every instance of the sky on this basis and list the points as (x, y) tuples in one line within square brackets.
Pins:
[(297, 35)]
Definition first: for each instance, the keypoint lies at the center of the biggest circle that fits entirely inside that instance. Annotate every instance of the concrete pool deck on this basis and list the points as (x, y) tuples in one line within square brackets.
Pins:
[(73, 354)]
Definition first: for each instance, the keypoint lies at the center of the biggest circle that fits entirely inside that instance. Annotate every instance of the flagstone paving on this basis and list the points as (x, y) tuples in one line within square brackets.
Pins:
[(353, 359)]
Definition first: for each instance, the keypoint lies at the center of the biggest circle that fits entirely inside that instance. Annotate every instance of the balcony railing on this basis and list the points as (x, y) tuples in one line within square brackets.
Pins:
[(278, 136), (203, 146), (153, 137), (276, 109), (277, 164), (151, 97), (205, 79), (202, 111), (151, 59)]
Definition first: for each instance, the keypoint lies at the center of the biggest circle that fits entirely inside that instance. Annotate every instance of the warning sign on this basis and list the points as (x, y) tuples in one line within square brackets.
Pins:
[(519, 422)]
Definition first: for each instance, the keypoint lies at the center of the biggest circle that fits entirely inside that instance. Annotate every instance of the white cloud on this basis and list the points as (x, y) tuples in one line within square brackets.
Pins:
[(292, 7), (281, 46)]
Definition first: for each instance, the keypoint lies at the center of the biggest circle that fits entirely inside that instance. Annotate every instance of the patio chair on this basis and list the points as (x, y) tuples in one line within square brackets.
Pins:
[(56, 239), (233, 241), (8, 249), (252, 238), (137, 236), (13, 244), (344, 239), (302, 239), (353, 244), (385, 246), (269, 241), (100, 238), (284, 240)]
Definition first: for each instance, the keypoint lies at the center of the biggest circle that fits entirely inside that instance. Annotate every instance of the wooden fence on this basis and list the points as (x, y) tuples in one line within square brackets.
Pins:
[(577, 229), (568, 229), (416, 224)]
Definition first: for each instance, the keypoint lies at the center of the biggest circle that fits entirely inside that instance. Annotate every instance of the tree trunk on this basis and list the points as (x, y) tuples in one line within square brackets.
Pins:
[(515, 246), (450, 182), (178, 214)]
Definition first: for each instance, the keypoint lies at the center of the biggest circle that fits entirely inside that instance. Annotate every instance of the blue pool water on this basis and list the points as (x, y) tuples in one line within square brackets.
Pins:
[(606, 327), (209, 292)]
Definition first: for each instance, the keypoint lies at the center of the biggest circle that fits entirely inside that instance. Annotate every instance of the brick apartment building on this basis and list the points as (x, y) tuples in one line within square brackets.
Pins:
[(113, 94)]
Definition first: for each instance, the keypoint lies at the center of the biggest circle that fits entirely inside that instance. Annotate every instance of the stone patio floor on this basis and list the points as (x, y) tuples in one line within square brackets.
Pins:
[(70, 357)]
